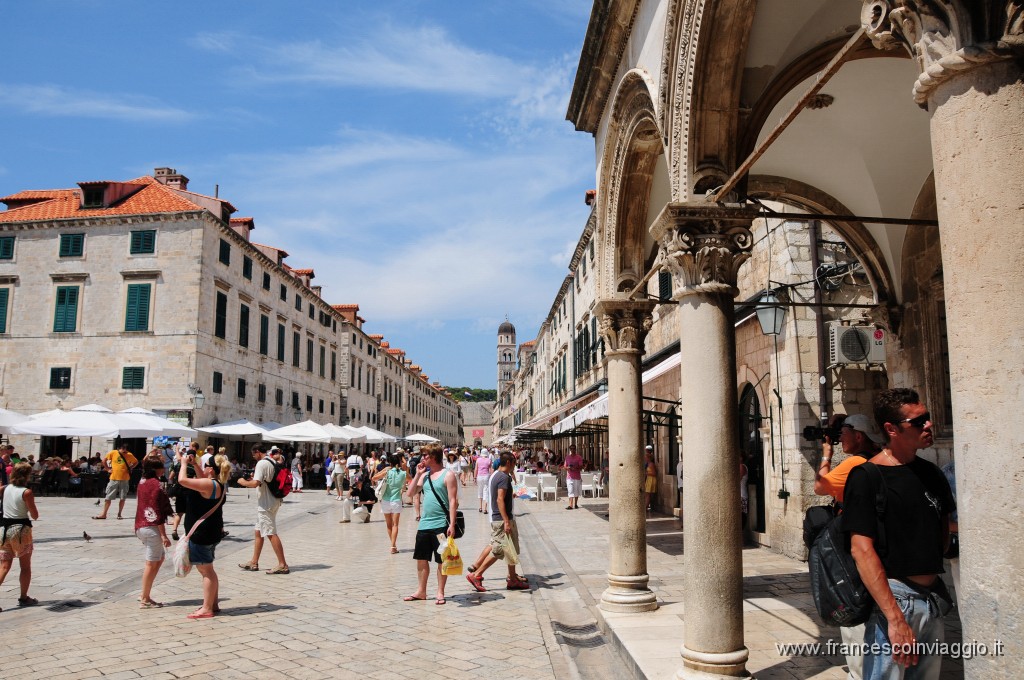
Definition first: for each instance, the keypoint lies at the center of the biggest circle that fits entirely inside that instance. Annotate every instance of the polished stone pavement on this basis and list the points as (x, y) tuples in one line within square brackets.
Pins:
[(340, 610)]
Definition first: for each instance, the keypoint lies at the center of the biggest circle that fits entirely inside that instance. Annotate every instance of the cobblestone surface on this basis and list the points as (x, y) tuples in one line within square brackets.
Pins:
[(340, 610)]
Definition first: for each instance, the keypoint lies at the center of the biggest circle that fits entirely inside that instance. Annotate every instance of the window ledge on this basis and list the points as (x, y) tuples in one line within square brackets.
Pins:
[(131, 333), (140, 273), (70, 276)]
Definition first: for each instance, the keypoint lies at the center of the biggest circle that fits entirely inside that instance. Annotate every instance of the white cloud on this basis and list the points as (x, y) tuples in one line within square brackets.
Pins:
[(418, 229), (53, 100)]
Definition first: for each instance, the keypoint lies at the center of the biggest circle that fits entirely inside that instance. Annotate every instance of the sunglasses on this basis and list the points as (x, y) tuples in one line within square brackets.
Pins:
[(920, 421)]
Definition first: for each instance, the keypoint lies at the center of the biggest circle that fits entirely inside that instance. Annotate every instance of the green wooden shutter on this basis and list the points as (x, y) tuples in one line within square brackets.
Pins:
[(7, 248), (133, 377), (664, 286), (136, 316), (65, 315), (4, 295), (143, 242)]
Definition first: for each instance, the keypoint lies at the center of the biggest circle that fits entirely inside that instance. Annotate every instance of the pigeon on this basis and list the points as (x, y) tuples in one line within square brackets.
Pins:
[(97, 502), (86, 536)]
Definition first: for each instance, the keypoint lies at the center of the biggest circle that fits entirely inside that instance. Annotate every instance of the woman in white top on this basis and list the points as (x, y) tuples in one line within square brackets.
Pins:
[(19, 505)]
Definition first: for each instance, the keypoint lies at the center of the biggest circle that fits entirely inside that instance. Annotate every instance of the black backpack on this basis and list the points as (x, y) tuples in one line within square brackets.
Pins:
[(840, 596)]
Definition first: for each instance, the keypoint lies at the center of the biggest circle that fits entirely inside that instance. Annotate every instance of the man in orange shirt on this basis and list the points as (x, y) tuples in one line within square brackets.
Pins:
[(119, 462), (860, 439)]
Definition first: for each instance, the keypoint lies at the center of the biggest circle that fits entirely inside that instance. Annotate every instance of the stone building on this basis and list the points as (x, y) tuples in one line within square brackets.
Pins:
[(860, 162), (142, 293), (477, 422)]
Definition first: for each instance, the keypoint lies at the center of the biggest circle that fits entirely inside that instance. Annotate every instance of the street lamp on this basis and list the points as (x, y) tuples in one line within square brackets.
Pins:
[(198, 398), (770, 313)]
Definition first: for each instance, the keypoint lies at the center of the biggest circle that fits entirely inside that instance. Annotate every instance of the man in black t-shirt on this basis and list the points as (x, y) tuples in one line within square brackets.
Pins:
[(900, 558)]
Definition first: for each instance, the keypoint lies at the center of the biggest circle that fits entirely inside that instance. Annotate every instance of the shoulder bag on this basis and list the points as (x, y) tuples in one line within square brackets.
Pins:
[(182, 564)]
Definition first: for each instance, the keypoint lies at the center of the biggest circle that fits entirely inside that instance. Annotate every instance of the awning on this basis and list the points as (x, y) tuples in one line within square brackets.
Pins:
[(599, 407)]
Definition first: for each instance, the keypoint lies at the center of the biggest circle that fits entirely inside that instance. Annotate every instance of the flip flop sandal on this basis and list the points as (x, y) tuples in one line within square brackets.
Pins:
[(440, 601), (249, 566), (197, 615), (410, 598), (27, 601), (279, 570)]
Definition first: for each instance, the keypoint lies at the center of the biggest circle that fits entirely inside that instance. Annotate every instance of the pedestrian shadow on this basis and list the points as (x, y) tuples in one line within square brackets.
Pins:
[(540, 581), (246, 610), (308, 567), (475, 599), (80, 539)]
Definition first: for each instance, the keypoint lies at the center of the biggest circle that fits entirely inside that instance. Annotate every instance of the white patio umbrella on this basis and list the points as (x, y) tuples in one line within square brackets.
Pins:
[(306, 431), (9, 418), (143, 417), (376, 436), (85, 421), (344, 434), (418, 437), (237, 429)]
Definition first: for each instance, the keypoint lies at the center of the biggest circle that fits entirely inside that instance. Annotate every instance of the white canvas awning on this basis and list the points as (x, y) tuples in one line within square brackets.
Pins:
[(344, 434), (91, 420), (599, 407), (237, 429), (420, 438), (145, 418), (9, 418)]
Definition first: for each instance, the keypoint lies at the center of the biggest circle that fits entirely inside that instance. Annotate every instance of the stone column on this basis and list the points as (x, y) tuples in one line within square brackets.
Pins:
[(703, 246), (624, 325), (970, 53)]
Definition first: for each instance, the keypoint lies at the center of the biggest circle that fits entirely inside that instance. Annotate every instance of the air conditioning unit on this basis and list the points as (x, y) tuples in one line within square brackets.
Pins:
[(855, 345)]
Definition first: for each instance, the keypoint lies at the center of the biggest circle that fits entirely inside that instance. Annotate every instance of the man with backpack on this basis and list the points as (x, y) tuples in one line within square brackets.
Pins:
[(265, 478), (899, 554)]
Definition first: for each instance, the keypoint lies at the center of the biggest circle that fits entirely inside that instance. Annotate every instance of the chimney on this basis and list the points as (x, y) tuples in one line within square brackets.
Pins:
[(171, 178)]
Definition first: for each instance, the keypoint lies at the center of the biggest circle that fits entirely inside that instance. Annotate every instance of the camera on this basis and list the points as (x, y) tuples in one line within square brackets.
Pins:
[(816, 433)]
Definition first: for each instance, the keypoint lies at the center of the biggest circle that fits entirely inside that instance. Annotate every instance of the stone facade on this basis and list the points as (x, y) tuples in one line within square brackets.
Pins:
[(222, 314)]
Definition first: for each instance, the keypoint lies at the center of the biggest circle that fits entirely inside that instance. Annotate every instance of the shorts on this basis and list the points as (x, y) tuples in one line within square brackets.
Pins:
[(200, 554), (651, 485), (17, 542), (153, 544), (427, 544), (179, 502), (391, 507), (498, 538), (117, 490), (575, 486), (266, 520)]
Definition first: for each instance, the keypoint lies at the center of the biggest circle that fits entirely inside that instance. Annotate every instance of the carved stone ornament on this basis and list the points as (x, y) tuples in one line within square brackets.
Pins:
[(703, 245), (946, 37), (624, 323)]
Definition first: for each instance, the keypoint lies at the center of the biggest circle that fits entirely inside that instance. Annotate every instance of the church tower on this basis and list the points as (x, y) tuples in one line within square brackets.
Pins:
[(506, 354)]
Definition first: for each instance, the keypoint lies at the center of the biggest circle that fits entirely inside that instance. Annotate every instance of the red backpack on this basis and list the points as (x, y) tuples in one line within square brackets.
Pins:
[(281, 484)]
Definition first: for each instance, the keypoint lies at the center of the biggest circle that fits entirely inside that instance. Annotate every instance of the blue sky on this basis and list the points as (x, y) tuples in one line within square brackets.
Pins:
[(415, 154)]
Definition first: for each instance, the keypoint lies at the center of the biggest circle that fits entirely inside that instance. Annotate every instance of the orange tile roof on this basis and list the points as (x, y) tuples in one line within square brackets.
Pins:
[(345, 306), (303, 272), (152, 198), (529, 343)]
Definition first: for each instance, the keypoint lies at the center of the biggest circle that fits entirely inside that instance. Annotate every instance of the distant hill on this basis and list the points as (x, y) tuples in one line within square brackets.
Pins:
[(475, 394)]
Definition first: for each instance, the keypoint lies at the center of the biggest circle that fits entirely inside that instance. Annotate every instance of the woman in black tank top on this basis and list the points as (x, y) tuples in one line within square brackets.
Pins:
[(204, 521)]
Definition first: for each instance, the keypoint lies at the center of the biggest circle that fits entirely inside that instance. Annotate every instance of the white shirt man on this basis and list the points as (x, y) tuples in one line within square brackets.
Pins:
[(267, 505)]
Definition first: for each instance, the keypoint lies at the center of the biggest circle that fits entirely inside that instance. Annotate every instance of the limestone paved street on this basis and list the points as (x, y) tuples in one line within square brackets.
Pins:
[(340, 610)]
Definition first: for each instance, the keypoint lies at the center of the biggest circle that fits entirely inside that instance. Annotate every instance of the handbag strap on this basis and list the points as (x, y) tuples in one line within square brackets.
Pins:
[(208, 512), (447, 513)]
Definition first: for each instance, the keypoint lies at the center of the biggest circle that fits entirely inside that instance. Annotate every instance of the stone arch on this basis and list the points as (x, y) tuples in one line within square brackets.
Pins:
[(799, 194), (627, 170), (703, 38)]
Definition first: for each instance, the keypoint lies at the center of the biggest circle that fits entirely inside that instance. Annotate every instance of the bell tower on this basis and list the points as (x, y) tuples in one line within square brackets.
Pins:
[(506, 354)]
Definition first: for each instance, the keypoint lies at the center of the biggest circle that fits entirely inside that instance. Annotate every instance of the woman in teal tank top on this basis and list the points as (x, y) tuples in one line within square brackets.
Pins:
[(394, 477)]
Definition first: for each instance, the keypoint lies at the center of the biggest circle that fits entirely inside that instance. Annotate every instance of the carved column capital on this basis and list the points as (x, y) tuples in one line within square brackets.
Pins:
[(703, 245), (946, 37), (624, 323)]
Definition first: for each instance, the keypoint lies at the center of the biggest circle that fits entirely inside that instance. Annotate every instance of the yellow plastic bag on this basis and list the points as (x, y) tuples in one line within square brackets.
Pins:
[(451, 561), (508, 550)]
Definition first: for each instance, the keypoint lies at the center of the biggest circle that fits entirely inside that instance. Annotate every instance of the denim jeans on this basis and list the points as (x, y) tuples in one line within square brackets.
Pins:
[(925, 619)]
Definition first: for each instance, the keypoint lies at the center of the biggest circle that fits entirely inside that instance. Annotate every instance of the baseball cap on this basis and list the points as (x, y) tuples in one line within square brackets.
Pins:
[(865, 425), (273, 449), (649, 447)]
